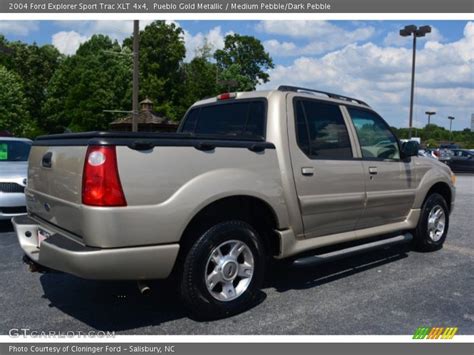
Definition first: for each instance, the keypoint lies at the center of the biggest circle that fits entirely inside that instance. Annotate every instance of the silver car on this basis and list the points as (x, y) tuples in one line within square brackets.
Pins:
[(13, 170)]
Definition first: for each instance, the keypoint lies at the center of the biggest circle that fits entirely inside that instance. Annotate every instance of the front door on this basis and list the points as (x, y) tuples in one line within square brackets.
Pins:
[(390, 180), (329, 180)]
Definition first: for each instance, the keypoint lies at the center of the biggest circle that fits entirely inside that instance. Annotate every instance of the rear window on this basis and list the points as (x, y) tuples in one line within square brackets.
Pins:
[(237, 119), (14, 150)]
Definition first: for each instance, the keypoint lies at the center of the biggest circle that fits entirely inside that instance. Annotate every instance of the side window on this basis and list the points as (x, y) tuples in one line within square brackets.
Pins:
[(302, 135), (321, 131), (375, 138)]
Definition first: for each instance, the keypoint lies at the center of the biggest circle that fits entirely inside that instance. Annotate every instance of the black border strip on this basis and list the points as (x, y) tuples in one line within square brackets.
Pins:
[(146, 142)]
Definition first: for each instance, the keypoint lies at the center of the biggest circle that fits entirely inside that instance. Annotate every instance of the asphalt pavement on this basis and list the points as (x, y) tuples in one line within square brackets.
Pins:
[(391, 291)]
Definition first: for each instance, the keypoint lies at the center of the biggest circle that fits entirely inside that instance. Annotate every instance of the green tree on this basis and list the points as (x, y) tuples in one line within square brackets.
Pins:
[(162, 52), (234, 74), (433, 135), (199, 79), (244, 59), (35, 65), (97, 78), (14, 114)]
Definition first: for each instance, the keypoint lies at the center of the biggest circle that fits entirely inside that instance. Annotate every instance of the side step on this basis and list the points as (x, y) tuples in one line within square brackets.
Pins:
[(358, 249)]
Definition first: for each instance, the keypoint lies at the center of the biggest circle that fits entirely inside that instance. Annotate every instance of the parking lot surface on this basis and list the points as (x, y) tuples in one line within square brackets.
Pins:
[(391, 291)]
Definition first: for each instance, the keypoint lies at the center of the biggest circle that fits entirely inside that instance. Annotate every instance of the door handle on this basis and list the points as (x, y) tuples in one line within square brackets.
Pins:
[(307, 171), (46, 161), (373, 170)]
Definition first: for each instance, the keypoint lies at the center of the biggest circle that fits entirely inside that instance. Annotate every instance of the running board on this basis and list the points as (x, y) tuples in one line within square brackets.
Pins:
[(358, 249)]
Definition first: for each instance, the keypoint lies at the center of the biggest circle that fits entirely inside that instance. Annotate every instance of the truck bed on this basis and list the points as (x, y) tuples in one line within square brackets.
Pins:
[(166, 178)]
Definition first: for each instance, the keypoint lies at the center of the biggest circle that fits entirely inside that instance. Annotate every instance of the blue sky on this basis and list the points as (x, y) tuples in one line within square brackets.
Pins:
[(364, 59)]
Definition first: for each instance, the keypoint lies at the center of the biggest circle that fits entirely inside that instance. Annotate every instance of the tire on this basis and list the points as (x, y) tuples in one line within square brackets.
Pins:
[(428, 235), (207, 280)]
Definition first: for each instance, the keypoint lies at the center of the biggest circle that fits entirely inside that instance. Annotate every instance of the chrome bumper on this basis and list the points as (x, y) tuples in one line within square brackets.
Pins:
[(62, 253)]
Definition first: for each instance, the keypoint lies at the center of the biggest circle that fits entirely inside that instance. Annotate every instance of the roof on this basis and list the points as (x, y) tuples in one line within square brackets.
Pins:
[(146, 101), (14, 139), (284, 90), (145, 117)]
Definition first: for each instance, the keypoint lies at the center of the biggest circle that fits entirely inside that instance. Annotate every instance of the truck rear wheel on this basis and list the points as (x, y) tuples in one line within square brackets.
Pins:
[(223, 271), (432, 227)]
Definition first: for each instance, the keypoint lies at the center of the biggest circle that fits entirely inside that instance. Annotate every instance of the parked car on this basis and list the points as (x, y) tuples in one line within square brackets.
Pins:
[(462, 160), (445, 155), (449, 146), (427, 153), (13, 170), (249, 177)]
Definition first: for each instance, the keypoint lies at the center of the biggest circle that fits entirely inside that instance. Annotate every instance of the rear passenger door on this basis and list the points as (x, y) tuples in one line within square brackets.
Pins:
[(329, 180), (390, 181)]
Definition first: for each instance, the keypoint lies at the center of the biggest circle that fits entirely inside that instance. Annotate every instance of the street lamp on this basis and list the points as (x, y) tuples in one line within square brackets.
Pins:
[(450, 118), (136, 41), (416, 32), (430, 113)]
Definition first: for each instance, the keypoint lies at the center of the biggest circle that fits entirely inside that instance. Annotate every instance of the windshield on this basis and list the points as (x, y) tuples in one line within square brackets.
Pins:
[(14, 150)]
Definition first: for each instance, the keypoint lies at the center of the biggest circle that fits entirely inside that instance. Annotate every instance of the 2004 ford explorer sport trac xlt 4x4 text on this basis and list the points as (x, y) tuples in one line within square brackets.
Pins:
[(248, 178)]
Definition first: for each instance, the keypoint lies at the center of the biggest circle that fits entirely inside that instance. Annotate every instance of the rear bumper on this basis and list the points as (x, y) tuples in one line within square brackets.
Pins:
[(62, 253)]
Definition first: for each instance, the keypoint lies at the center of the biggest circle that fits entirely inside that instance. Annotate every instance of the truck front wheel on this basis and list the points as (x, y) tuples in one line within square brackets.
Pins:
[(432, 228), (223, 271)]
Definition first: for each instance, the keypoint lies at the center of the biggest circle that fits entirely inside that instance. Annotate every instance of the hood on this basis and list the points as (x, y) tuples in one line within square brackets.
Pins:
[(13, 170)]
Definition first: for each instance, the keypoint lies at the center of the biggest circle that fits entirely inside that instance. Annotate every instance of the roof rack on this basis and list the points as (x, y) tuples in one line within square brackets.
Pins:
[(329, 94)]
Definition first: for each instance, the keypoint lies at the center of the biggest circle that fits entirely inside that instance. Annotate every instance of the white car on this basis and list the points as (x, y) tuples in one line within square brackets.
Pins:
[(13, 171)]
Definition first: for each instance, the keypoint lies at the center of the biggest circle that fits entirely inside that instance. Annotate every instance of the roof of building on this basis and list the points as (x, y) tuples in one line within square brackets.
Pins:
[(146, 115)]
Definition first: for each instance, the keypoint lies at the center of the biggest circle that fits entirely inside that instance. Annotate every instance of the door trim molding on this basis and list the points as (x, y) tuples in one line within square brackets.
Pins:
[(290, 246)]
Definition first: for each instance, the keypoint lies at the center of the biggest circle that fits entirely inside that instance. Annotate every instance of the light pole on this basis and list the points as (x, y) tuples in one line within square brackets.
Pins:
[(430, 113), (135, 76), (450, 118), (416, 32)]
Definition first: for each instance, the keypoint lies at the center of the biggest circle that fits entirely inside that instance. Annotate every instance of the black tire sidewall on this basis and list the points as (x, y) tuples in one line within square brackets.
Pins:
[(193, 287), (423, 241)]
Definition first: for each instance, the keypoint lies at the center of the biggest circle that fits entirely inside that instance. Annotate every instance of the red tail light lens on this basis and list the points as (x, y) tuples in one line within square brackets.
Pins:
[(100, 181)]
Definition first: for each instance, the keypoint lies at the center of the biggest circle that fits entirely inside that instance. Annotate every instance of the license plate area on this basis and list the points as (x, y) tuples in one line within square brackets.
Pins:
[(42, 236)]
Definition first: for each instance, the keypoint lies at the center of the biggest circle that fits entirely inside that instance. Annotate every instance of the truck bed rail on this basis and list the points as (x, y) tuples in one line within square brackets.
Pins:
[(148, 140)]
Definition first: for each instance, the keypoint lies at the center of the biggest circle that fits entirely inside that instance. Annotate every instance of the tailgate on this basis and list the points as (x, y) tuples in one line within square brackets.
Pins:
[(55, 183)]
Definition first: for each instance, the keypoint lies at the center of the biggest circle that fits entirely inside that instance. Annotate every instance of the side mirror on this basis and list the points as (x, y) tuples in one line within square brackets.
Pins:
[(410, 148)]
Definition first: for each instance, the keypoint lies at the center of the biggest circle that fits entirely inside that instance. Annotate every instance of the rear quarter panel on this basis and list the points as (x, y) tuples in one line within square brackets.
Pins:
[(167, 186)]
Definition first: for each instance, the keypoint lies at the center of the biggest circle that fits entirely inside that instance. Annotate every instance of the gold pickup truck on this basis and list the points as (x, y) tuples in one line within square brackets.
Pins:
[(248, 177)]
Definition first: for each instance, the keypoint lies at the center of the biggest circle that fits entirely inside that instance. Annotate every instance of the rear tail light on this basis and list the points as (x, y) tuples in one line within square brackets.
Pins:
[(100, 181)]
